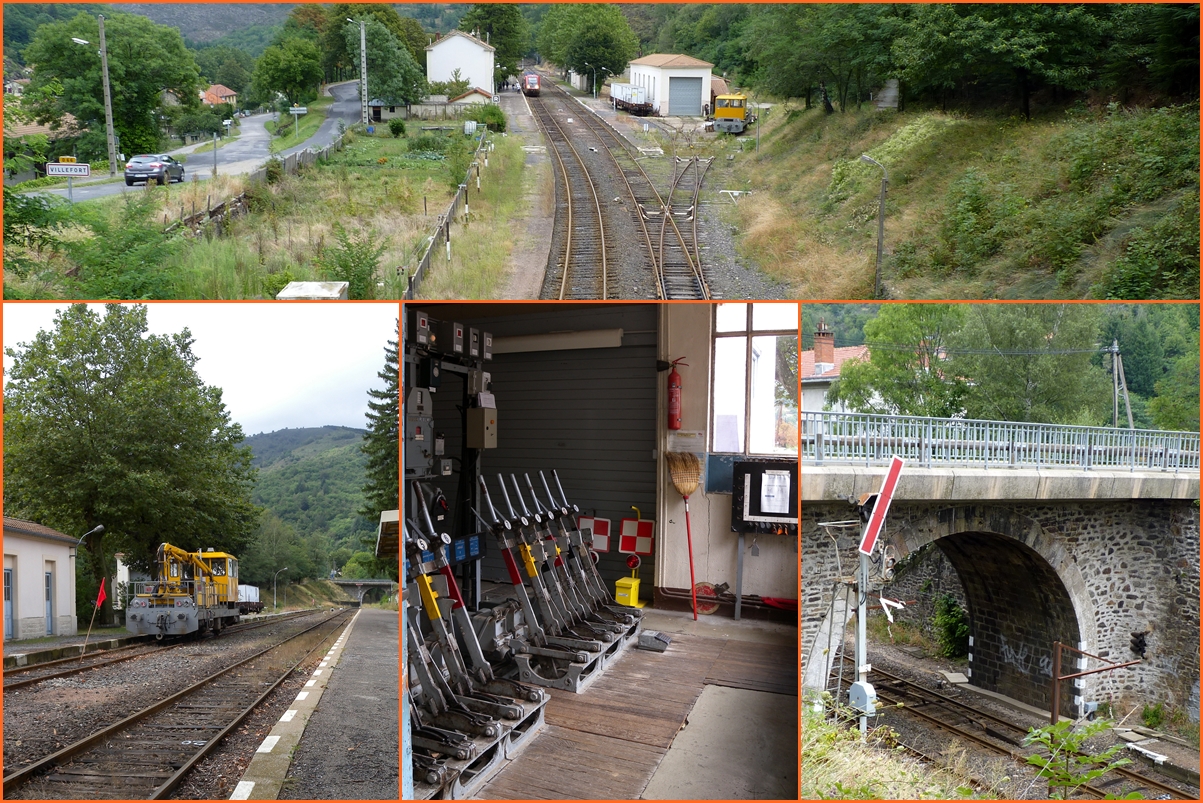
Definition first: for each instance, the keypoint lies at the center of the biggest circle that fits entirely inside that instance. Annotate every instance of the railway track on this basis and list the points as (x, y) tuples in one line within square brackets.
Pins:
[(582, 267), (680, 258), (673, 255), (998, 735), (65, 667), (147, 754)]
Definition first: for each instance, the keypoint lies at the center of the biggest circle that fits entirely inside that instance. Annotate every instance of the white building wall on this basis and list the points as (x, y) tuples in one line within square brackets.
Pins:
[(655, 81), (29, 559), (452, 53), (686, 329)]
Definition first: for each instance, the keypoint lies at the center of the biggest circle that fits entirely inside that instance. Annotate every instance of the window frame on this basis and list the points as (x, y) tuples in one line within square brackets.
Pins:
[(748, 333)]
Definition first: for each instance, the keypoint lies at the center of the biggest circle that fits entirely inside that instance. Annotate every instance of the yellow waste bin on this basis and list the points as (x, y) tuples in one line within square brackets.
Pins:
[(626, 592)]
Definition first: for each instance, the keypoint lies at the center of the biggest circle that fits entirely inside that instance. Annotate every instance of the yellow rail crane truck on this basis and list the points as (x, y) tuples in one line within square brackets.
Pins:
[(195, 593)]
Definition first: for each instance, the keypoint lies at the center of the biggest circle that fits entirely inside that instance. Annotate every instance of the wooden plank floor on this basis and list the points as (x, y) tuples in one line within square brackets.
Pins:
[(759, 667), (606, 743)]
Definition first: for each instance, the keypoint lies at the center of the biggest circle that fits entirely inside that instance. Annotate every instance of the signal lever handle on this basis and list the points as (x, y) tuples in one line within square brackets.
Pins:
[(563, 496), (505, 492), (534, 497), (563, 509), (518, 493), (484, 487)]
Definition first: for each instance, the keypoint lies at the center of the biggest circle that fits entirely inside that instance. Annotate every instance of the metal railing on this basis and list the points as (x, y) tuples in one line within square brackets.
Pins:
[(865, 439)]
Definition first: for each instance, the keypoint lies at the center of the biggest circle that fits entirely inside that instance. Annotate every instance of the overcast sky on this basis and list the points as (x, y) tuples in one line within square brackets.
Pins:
[(279, 364)]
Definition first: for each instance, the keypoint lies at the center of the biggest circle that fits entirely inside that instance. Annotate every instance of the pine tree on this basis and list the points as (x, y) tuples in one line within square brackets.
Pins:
[(382, 442)]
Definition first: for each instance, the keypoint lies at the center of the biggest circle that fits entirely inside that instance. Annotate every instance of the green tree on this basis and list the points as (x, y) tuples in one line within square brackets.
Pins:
[(575, 34), (293, 68), (904, 373), (145, 59), (1176, 403), (382, 440), (393, 76), (338, 59), (1032, 362), (107, 424), (503, 26)]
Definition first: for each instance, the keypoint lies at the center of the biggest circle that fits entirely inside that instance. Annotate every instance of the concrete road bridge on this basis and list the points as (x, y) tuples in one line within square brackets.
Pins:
[(1083, 535), (381, 586)]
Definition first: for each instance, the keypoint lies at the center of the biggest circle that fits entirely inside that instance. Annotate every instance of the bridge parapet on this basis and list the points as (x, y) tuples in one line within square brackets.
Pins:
[(871, 440)]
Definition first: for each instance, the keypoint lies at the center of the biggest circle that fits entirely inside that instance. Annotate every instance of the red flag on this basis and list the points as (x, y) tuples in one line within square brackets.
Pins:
[(101, 597)]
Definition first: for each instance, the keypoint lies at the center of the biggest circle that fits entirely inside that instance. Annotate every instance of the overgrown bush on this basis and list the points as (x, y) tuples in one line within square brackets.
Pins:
[(952, 627), (1161, 261), (489, 115), (396, 127), (353, 260), (275, 170), (124, 258)]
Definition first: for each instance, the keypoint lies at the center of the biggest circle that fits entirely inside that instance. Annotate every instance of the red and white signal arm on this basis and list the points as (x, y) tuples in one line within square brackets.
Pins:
[(881, 507), (636, 536), (601, 531)]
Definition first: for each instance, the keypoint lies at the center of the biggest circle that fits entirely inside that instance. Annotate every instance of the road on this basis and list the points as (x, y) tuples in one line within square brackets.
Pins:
[(245, 154)]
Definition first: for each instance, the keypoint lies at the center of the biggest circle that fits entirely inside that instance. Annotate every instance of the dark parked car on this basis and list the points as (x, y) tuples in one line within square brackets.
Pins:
[(153, 167)]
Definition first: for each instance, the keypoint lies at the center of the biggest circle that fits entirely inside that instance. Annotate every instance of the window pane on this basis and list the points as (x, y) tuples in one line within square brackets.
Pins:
[(731, 318), (730, 354), (773, 396), (774, 316)]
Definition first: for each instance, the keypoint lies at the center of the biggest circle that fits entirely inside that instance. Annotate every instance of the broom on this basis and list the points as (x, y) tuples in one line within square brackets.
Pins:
[(686, 471)]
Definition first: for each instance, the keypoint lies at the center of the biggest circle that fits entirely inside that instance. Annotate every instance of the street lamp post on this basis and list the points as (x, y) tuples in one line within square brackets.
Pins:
[(274, 576), (594, 69), (108, 96), (363, 72), (881, 221)]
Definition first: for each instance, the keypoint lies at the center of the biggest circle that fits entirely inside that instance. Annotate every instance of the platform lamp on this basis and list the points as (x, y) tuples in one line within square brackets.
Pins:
[(274, 576)]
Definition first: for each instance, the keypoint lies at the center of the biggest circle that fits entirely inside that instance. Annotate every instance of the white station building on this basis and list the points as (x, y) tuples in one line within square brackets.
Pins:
[(464, 52), (39, 581), (676, 85)]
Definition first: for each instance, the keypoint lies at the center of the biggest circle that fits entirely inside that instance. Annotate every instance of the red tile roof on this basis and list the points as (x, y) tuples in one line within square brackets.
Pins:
[(842, 355)]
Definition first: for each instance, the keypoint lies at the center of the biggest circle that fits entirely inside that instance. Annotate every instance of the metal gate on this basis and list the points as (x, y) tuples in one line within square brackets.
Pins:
[(684, 97), (8, 603), (49, 603)]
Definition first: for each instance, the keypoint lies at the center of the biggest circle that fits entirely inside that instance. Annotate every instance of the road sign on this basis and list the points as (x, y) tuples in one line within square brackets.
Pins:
[(69, 170), (67, 160), (298, 110), (881, 506)]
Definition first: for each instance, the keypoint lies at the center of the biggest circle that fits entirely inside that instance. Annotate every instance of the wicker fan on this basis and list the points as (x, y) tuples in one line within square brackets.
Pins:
[(686, 471)]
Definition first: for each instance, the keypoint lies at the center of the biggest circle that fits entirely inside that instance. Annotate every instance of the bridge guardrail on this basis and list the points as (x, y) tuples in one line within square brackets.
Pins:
[(869, 439)]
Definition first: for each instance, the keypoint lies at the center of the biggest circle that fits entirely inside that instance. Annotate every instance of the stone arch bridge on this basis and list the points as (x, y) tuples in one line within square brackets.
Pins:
[(1074, 534)]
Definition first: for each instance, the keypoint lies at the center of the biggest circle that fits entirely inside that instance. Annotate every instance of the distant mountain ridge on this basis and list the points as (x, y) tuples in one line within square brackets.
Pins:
[(204, 22), (312, 478)]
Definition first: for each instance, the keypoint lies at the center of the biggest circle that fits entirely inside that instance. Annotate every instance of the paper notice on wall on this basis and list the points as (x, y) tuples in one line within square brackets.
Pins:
[(775, 492), (681, 440)]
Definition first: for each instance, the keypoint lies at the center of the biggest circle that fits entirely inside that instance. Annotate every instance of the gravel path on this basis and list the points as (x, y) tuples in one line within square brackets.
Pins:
[(47, 716), (351, 747)]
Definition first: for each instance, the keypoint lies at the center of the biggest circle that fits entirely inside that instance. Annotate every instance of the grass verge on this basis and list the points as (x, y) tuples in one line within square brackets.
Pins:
[(304, 128), (1083, 202)]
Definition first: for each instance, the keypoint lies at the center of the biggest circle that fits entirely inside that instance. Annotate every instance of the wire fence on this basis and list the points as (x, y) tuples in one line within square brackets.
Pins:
[(866, 439), (440, 241)]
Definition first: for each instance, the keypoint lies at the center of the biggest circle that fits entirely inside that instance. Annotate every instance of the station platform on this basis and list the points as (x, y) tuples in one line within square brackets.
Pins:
[(340, 738)]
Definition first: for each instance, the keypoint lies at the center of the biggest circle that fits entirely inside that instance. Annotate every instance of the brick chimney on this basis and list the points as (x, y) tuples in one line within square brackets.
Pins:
[(824, 349)]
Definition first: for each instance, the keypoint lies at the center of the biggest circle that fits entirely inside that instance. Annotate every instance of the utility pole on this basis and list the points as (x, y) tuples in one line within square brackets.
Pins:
[(881, 220), (108, 101), (363, 72)]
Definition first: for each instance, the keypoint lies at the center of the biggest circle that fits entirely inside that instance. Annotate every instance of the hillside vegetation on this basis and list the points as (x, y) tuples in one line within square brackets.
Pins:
[(1086, 202), (312, 479)]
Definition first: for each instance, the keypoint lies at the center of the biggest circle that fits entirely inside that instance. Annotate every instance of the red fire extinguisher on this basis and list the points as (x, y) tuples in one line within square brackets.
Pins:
[(674, 395)]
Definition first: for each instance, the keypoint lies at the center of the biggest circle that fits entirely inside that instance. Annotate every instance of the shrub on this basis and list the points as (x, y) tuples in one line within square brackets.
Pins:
[(396, 127), (952, 627), (1161, 261), (275, 170), (490, 115), (353, 260)]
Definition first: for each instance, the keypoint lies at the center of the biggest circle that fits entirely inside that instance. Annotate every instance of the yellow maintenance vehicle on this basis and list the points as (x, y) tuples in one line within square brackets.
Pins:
[(731, 115), (195, 592)]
